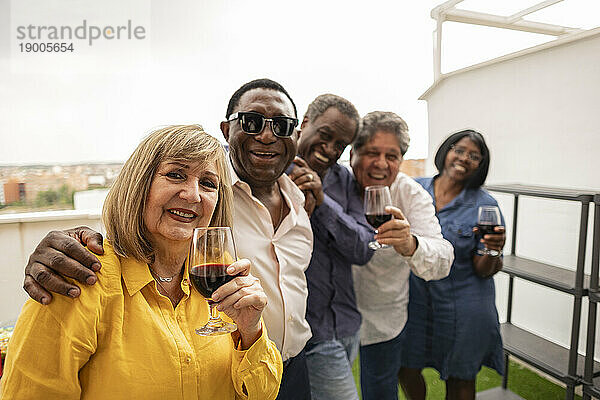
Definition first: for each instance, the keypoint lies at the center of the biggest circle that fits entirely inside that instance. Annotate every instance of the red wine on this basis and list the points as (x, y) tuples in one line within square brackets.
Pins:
[(209, 277), (377, 219), (486, 229)]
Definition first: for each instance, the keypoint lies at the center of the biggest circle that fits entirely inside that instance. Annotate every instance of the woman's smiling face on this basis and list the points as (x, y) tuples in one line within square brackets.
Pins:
[(183, 196), (459, 164)]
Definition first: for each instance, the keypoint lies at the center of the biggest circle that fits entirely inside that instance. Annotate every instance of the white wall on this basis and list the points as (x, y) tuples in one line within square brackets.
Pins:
[(89, 199), (540, 114), (19, 235)]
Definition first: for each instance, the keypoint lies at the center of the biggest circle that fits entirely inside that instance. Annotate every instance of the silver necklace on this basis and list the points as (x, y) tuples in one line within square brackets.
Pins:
[(176, 300), (167, 278)]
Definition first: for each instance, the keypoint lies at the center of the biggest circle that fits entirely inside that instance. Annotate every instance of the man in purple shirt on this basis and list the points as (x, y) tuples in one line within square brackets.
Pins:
[(341, 234)]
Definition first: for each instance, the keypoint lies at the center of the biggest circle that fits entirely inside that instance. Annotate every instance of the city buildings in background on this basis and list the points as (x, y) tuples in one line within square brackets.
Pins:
[(81, 186), (38, 186), (14, 191)]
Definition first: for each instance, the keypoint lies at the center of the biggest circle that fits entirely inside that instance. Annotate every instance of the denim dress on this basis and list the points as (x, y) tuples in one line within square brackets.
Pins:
[(453, 322)]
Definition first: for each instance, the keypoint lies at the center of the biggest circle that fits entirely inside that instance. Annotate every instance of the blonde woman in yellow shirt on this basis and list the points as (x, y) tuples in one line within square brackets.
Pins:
[(131, 335)]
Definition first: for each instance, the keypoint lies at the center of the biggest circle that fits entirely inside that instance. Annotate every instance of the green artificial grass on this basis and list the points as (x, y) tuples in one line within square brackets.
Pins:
[(521, 380)]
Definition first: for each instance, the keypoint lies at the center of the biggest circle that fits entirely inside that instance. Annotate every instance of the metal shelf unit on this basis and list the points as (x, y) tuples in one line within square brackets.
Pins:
[(591, 384), (564, 364)]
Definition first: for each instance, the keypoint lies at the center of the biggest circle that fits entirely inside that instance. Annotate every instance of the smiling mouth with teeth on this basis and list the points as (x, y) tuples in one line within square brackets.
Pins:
[(377, 176), (321, 157), (182, 214), (264, 154)]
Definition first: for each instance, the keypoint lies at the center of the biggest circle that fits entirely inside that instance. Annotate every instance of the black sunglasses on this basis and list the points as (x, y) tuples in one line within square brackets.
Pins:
[(253, 123)]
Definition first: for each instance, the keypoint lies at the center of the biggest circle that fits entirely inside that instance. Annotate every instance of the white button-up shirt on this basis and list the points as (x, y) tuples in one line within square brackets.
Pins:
[(278, 258), (381, 285)]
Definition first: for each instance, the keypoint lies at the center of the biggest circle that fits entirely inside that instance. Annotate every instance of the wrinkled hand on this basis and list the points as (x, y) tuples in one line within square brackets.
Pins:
[(493, 241), (62, 252), (396, 232), (243, 300), (309, 182)]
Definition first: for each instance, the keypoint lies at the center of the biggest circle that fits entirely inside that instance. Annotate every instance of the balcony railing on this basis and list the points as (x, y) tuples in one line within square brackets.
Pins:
[(19, 235)]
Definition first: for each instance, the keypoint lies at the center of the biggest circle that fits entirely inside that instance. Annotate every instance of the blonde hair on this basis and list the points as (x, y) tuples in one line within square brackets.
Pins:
[(123, 212)]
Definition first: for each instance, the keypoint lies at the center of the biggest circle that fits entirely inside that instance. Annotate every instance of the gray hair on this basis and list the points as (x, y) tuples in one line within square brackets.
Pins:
[(323, 102), (382, 121)]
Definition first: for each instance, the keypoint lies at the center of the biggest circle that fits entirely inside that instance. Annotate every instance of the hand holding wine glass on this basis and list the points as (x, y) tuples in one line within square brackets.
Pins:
[(212, 251), (396, 232), (490, 230), (226, 284), (243, 300), (376, 199)]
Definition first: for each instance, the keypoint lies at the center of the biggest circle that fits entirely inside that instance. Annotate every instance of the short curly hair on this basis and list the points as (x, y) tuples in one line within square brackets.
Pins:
[(325, 101), (384, 121), (263, 83)]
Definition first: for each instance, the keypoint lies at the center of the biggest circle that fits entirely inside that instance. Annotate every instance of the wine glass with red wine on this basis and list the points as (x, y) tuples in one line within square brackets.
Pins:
[(376, 199), (488, 218), (212, 251)]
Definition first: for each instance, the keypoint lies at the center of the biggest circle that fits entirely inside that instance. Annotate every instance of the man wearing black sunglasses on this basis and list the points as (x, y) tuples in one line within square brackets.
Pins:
[(271, 227), (253, 123)]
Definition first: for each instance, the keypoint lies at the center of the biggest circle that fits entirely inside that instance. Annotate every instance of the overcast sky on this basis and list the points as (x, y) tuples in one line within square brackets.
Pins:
[(97, 102)]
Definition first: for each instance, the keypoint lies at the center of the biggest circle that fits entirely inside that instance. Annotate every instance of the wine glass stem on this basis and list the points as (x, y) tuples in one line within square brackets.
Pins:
[(214, 313)]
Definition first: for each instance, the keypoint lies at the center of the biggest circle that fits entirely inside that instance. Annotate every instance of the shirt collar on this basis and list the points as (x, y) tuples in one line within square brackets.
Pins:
[(465, 198), (235, 179), (234, 176), (429, 184), (135, 275), (288, 187), (332, 175), (355, 187)]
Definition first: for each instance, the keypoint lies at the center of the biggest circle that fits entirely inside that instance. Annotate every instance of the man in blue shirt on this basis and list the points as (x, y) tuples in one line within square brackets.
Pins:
[(341, 234)]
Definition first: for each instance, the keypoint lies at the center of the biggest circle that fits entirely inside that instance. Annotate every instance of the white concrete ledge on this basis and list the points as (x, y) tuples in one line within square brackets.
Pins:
[(50, 216)]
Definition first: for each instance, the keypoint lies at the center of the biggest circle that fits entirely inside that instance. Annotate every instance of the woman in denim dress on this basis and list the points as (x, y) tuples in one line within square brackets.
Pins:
[(453, 323)]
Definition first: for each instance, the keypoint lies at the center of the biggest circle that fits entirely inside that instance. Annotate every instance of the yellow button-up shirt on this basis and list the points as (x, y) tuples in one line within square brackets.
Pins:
[(121, 339)]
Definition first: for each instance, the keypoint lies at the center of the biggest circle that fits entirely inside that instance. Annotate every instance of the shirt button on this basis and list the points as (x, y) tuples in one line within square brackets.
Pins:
[(291, 318), (185, 282), (188, 359), (179, 318)]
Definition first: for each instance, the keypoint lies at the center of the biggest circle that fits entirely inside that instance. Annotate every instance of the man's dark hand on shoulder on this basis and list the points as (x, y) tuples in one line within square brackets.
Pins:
[(62, 253)]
